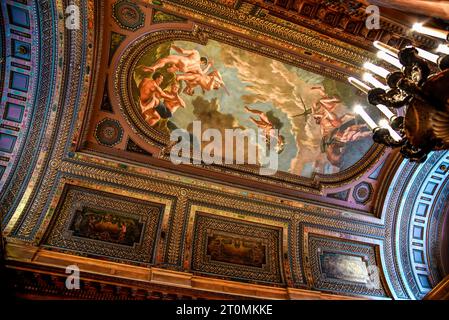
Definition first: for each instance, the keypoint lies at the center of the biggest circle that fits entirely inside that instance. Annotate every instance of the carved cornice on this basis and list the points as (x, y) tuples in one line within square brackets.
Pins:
[(339, 21), (208, 12)]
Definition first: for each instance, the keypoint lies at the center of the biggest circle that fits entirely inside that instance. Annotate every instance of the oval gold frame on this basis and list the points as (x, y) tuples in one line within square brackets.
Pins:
[(201, 35)]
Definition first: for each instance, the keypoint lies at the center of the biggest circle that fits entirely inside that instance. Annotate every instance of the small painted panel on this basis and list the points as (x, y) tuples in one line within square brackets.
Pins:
[(106, 226), (224, 248), (94, 223), (162, 17), (109, 132), (128, 15), (236, 249), (344, 267), (116, 41)]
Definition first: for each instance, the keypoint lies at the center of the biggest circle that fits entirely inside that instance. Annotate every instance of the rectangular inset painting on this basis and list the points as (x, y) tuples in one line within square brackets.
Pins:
[(226, 248), (236, 249), (344, 267), (106, 226), (100, 224)]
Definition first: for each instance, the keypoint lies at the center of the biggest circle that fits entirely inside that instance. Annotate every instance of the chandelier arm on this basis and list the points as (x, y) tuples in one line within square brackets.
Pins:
[(393, 98), (383, 136)]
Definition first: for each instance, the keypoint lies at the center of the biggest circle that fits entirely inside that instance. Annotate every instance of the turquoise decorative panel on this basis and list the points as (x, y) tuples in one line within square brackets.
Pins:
[(430, 188), (424, 280), (418, 232), (7, 142), (418, 256), (422, 209), (13, 112), (19, 81), (18, 16)]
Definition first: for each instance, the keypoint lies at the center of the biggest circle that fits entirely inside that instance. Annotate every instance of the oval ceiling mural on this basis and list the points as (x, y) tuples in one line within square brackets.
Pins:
[(178, 82)]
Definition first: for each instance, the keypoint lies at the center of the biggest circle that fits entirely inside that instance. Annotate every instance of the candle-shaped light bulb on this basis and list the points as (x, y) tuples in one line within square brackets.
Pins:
[(376, 69), (417, 26), (433, 32), (387, 112), (368, 77), (390, 59), (362, 113), (359, 84), (443, 48), (386, 48), (385, 124), (428, 55)]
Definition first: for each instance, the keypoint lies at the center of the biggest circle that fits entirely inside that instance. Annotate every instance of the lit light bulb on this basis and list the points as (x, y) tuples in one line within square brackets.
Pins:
[(365, 116), (387, 112), (359, 84), (433, 32), (428, 55), (386, 48), (376, 69), (368, 77), (443, 48), (390, 59), (417, 26)]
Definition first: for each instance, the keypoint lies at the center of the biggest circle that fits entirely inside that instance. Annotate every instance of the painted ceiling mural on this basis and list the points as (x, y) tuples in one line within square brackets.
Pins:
[(225, 87)]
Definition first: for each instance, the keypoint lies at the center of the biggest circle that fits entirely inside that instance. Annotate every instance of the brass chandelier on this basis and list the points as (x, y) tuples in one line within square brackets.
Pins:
[(414, 98)]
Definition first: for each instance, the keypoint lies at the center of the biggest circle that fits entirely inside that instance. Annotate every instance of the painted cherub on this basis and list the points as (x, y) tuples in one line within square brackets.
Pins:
[(211, 81)]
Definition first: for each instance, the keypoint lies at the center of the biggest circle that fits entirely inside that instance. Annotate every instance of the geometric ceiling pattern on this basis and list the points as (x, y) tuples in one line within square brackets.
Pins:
[(85, 181)]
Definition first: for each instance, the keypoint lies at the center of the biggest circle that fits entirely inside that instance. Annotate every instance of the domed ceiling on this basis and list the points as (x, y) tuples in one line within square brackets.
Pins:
[(87, 176)]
